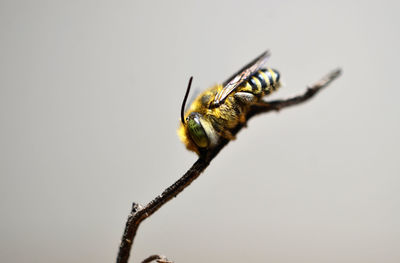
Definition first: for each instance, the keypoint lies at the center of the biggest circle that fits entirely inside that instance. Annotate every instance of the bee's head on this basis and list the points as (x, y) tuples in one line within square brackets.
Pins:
[(196, 130)]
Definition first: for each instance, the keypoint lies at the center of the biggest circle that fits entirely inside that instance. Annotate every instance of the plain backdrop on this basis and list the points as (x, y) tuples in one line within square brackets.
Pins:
[(90, 93)]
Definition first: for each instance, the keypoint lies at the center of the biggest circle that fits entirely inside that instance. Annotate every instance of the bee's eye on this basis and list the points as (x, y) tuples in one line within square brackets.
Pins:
[(197, 132)]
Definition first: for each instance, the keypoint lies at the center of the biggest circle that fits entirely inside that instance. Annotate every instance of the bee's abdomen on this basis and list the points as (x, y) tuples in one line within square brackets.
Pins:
[(263, 82)]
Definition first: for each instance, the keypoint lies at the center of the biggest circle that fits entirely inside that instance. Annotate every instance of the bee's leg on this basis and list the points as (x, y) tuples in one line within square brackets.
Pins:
[(242, 120), (246, 98), (227, 135), (261, 103)]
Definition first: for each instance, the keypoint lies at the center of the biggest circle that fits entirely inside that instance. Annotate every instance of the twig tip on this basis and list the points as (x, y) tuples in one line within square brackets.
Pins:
[(335, 73)]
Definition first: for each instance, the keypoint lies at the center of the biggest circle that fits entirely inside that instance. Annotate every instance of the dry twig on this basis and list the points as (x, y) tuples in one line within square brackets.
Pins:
[(139, 213), (158, 258)]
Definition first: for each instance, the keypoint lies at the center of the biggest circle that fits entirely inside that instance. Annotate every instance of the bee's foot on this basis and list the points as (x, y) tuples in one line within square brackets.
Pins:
[(228, 135)]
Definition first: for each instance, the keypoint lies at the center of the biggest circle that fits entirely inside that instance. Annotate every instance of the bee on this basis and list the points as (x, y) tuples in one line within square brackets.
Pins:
[(219, 109)]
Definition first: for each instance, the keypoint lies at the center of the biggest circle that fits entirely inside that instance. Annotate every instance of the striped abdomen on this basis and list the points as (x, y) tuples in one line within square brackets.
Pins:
[(263, 82)]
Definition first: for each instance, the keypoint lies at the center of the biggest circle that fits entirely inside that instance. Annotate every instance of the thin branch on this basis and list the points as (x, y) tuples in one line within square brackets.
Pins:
[(139, 213)]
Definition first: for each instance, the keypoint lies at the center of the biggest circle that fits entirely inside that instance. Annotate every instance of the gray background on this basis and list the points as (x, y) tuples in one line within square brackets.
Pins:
[(90, 94)]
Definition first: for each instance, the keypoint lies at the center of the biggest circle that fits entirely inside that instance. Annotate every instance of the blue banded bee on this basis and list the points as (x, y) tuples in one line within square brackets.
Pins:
[(219, 109)]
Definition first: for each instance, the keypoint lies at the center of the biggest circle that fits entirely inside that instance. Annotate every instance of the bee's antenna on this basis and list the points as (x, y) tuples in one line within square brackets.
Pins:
[(184, 101)]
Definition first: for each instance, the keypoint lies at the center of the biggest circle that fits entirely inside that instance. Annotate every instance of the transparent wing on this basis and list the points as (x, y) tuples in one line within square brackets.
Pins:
[(242, 75)]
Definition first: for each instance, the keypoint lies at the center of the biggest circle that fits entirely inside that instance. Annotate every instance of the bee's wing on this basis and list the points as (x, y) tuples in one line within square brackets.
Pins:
[(242, 75)]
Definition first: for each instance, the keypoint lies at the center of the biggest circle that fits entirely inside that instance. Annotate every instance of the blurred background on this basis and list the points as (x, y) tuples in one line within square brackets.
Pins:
[(90, 94)]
